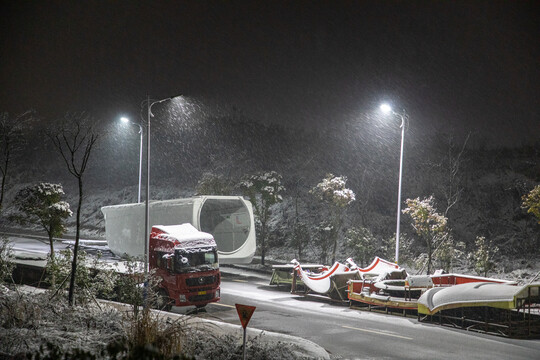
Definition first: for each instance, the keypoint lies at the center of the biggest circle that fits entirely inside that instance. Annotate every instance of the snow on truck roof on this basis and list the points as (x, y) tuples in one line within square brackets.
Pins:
[(184, 232)]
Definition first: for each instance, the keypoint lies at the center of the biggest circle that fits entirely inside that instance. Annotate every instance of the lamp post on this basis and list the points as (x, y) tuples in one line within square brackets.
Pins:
[(126, 120), (387, 109), (147, 208)]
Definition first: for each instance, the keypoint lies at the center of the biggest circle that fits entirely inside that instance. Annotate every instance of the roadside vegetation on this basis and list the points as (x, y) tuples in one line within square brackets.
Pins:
[(42, 324)]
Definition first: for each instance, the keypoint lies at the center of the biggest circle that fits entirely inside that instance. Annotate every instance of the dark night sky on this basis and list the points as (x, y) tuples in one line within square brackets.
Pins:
[(454, 65)]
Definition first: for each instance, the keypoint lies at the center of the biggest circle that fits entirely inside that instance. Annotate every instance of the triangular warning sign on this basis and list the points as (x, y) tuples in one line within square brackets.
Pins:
[(244, 313)]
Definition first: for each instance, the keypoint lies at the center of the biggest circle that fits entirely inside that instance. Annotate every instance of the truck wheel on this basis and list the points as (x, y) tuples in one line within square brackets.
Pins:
[(164, 302)]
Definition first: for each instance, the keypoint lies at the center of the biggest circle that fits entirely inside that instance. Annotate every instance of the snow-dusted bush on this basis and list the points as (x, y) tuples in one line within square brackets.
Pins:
[(6, 263), (428, 224), (92, 279), (482, 257), (531, 202), (130, 289)]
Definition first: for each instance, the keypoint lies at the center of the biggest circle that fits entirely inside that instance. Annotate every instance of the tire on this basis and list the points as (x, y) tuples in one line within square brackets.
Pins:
[(164, 302)]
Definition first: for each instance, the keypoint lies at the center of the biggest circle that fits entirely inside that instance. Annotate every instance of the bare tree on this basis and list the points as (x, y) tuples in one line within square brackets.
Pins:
[(74, 139), (11, 142), (450, 165)]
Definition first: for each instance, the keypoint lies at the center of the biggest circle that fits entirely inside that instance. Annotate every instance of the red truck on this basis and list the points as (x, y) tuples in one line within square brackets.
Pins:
[(187, 262)]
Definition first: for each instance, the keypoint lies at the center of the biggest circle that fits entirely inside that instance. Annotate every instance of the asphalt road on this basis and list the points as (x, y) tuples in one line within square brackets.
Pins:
[(352, 334)]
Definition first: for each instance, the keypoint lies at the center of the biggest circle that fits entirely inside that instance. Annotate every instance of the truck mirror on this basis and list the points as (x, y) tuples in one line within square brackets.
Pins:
[(168, 262)]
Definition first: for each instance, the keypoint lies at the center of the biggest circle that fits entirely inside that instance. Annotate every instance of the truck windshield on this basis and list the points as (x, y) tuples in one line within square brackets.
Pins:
[(195, 259)]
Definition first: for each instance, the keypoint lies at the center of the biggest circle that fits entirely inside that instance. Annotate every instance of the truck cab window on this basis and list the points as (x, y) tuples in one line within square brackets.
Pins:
[(189, 260)]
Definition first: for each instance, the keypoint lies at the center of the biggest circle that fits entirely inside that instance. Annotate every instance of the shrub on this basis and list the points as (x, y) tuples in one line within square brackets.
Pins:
[(6, 265), (92, 278)]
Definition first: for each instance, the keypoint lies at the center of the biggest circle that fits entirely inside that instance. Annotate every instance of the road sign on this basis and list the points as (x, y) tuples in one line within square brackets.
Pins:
[(244, 313)]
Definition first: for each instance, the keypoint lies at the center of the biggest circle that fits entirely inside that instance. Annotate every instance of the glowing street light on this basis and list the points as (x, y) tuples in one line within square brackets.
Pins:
[(125, 120), (387, 109)]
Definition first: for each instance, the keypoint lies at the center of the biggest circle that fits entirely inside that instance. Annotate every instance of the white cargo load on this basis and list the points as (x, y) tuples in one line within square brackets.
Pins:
[(229, 219)]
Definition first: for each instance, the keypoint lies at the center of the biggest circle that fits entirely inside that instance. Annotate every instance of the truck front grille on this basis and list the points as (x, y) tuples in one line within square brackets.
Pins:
[(201, 281)]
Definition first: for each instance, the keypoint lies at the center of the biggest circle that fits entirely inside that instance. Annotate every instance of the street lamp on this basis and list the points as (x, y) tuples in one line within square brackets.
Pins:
[(127, 121), (387, 109), (149, 105)]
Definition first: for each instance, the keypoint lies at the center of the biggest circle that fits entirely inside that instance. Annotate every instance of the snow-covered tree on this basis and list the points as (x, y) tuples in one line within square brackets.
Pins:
[(74, 139), (42, 205), (482, 257), (332, 192), (531, 202), (428, 224), (263, 189)]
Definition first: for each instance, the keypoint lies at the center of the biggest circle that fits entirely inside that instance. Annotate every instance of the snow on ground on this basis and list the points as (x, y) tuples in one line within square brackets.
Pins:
[(31, 249), (34, 252), (91, 328), (40, 321)]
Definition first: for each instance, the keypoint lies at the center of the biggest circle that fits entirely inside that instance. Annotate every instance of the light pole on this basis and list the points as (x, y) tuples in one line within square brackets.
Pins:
[(387, 109), (149, 104), (126, 120)]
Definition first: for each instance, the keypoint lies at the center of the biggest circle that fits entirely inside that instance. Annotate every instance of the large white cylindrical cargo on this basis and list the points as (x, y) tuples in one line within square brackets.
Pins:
[(228, 218)]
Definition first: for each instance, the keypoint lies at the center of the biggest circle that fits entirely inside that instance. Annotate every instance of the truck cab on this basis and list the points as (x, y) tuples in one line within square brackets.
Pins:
[(186, 260)]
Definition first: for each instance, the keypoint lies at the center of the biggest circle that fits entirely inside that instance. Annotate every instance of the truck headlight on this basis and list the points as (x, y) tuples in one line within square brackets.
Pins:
[(182, 298), (217, 293)]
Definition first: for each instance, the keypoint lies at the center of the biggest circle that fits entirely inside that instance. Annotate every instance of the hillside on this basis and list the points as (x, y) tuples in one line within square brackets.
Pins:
[(488, 180)]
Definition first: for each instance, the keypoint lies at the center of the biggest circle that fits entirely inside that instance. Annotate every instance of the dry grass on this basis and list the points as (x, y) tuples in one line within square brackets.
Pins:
[(33, 326), (166, 336)]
